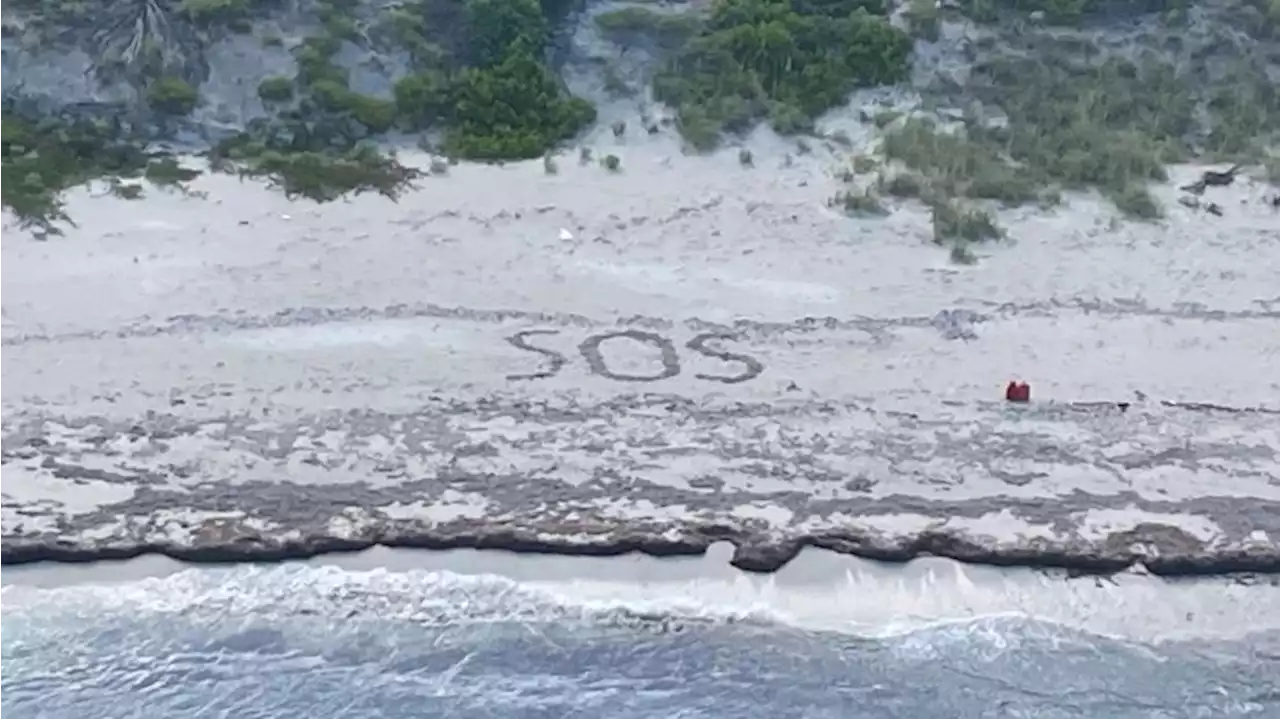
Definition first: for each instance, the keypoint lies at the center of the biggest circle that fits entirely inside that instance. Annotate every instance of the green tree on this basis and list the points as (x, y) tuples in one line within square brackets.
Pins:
[(514, 110), (498, 28), (423, 97)]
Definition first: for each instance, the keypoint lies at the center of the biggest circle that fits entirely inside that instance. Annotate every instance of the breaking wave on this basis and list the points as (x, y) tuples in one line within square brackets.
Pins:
[(934, 639)]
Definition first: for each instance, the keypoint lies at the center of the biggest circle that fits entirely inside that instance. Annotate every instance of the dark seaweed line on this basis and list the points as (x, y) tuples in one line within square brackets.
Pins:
[(184, 324), (1187, 310), (168, 426), (1190, 406), (752, 553), (313, 317)]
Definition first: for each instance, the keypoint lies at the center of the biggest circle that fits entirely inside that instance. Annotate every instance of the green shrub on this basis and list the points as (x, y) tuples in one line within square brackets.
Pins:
[(961, 253), (319, 176), (210, 12), (172, 96), (668, 29), (498, 29), (507, 104), (276, 89), (858, 204), (1077, 123), (43, 158), (375, 114), (953, 164), (903, 184), (924, 18), (785, 61), (1067, 12), (168, 172), (514, 110), (479, 76), (422, 98), (862, 164), (1135, 201), (1104, 126), (951, 224)]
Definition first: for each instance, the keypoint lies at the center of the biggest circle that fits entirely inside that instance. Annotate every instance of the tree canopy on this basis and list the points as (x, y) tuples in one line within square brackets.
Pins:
[(787, 60), (506, 103)]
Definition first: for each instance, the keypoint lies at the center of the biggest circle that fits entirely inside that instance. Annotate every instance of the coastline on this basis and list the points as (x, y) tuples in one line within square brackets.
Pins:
[(200, 379), (1154, 547), (819, 591)]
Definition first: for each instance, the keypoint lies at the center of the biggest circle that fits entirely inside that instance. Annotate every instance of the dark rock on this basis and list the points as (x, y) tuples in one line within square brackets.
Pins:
[(1163, 550)]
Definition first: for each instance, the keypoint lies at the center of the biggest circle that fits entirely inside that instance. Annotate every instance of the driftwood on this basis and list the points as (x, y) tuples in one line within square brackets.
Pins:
[(1209, 178)]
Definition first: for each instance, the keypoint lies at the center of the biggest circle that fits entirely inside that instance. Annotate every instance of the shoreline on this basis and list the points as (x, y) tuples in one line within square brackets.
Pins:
[(754, 554), (819, 591)]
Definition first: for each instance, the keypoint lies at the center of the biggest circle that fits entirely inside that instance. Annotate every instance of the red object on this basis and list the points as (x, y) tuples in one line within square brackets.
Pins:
[(1017, 392)]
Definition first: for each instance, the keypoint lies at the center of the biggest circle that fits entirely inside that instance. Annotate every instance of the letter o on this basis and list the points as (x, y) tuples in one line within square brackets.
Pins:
[(590, 349)]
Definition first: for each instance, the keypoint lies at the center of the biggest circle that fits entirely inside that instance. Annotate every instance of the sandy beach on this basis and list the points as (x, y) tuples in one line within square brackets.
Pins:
[(681, 352)]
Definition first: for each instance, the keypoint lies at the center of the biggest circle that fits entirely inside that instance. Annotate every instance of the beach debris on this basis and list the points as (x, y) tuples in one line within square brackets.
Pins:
[(1209, 178), (1017, 392), (1212, 208), (565, 235)]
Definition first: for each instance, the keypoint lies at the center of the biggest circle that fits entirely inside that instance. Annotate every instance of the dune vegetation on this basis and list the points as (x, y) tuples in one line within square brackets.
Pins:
[(786, 61), (41, 159), (1048, 105), (1063, 120), (479, 78), (1044, 107)]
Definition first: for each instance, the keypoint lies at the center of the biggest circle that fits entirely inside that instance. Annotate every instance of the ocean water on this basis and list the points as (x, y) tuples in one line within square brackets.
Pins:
[(314, 641)]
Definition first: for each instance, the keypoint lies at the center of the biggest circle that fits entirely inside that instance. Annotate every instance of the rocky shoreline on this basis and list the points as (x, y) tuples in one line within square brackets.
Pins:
[(1159, 549), (175, 512)]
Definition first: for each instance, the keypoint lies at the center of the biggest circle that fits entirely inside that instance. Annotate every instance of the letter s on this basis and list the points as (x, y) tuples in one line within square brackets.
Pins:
[(753, 367), (557, 361)]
